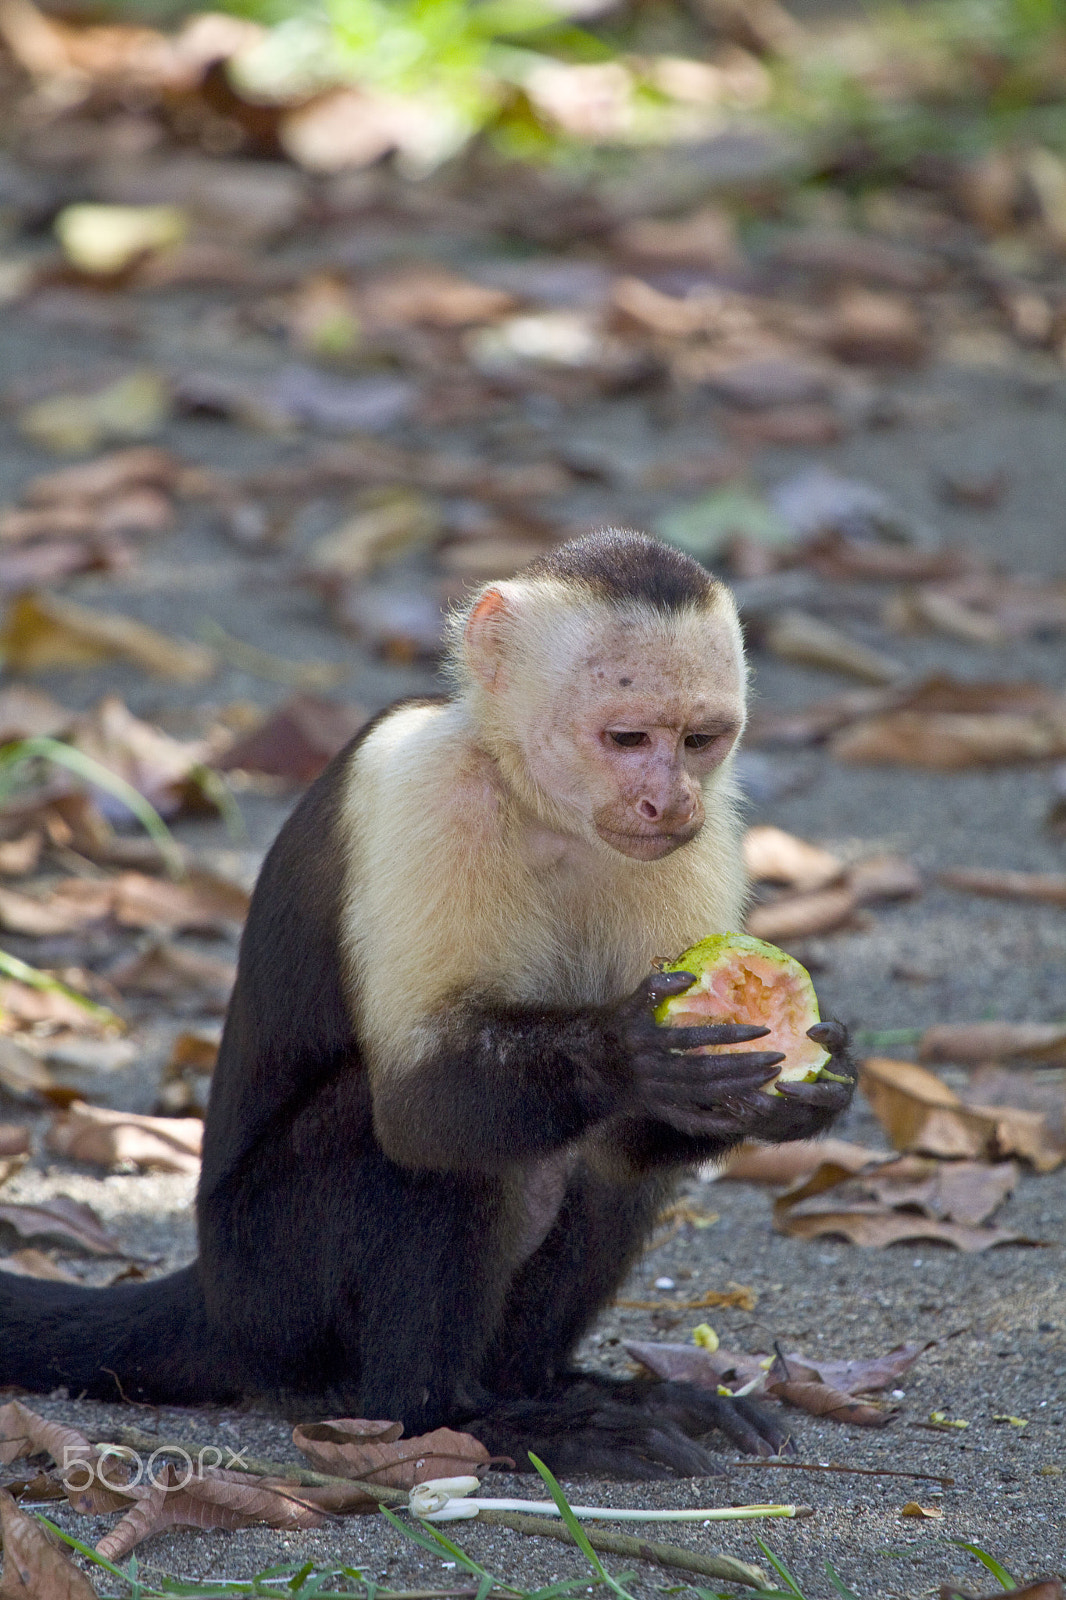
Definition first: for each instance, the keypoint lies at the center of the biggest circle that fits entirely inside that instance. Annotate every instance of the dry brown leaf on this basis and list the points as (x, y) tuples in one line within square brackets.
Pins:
[(431, 295), (35, 1264), (352, 1448), (218, 1499), (919, 1112), (69, 1223), (22, 1074), (950, 741), (788, 1380), (138, 466), (797, 1158), (203, 902), (876, 329), (836, 555), (863, 1207), (167, 971), (939, 695), (44, 631), (24, 1433), (34, 1569), (707, 1369), (773, 856), (913, 1509), (796, 636), (994, 1041), (27, 713), (156, 765), (1047, 887), (296, 741), (860, 256), (119, 1138), (43, 919), (807, 426), (1040, 1589), (26, 1006), (796, 916), (689, 1363), (884, 878), (706, 237)]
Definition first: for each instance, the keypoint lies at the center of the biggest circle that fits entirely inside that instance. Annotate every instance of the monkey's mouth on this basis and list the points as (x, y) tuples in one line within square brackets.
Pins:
[(648, 846)]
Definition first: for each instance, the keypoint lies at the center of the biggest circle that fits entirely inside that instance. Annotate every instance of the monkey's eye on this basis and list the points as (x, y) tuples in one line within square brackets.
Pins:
[(699, 741), (627, 740)]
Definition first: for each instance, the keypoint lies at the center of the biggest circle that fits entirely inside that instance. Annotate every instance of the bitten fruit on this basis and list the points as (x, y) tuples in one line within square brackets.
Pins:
[(740, 979)]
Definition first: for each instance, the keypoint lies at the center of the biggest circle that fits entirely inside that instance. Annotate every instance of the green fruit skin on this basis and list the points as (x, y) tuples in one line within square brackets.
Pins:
[(718, 947)]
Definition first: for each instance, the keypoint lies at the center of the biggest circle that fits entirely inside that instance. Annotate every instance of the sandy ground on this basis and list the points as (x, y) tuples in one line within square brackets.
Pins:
[(998, 1319)]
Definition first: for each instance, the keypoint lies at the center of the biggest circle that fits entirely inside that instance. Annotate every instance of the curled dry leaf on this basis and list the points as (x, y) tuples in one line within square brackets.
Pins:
[(139, 466), (24, 1433), (796, 916), (798, 1383), (223, 1499), (35, 1264), (707, 1369), (796, 636), (994, 1041), (296, 741), (34, 1569), (14, 1140), (773, 856), (913, 1509), (1047, 887), (156, 765), (21, 1074), (44, 631), (353, 1448), (68, 1223), (169, 972), (795, 1159), (119, 1138), (919, 1112), (949, 741)]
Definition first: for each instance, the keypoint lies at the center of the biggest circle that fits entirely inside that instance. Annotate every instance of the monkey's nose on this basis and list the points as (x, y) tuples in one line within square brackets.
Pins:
[(648, 810)]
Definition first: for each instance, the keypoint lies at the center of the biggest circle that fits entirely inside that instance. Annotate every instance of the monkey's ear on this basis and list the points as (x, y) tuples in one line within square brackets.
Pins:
[(487, 627)]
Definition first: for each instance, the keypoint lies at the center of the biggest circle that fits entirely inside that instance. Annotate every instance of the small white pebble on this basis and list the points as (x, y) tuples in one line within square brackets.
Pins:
[(664, 1283), (917, 1263), (899, 1394)]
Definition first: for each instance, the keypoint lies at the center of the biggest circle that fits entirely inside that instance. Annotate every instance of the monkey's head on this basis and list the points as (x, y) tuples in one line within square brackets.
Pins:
[(607, 679)]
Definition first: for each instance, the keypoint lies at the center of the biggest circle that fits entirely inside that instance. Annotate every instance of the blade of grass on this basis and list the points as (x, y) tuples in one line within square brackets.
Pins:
[(34, 978), (838, 1583), (781, 1570), (85, 1550), (434, 1541), (998, 1571), (575, 1529), (22, 751)]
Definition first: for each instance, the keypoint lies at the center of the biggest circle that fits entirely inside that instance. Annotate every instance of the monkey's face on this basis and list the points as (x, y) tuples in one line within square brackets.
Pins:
[(638, 725)]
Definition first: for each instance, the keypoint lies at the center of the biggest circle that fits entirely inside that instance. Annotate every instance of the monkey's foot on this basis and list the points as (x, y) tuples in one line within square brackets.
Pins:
[(583, 1432), (751, 1427)]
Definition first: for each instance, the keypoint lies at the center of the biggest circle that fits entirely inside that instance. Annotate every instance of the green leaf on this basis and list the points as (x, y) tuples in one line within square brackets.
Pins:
[(12, 967), (998, 1571), (12, 756), (781, 1570), (576, 1530), (838, 1584)]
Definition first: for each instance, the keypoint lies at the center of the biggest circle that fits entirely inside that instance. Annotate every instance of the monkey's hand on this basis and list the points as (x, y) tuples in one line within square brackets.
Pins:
[(801, 1110), (695, 1095)]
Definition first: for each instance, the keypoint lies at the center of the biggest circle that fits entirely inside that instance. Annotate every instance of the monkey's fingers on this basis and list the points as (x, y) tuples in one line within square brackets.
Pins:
[(659, 987), (831, 1035), (821, 1096), (763, 1434), (717, 1033), (704, 1079)]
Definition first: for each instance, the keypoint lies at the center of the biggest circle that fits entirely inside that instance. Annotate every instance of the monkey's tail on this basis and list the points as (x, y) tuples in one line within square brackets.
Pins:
[(133, 1341)]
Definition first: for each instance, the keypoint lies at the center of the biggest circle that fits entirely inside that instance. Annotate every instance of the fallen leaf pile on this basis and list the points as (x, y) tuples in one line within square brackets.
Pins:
[(98, 1480), (824, 1388)]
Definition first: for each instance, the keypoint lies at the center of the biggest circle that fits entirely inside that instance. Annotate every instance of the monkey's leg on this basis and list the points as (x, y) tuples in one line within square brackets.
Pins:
[(427, 1277), (588, 1421)]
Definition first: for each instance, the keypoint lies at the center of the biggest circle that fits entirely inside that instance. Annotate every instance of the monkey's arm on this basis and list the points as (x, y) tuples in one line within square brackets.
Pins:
[(498, 1085)]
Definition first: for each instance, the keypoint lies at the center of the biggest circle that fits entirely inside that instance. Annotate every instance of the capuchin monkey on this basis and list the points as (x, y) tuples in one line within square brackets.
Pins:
[(443, 1119)]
